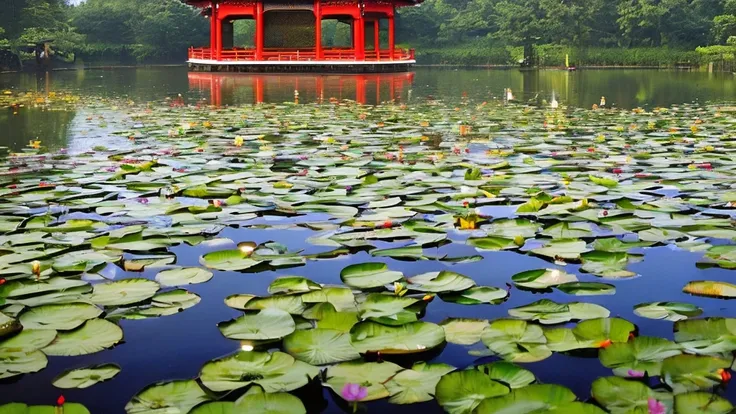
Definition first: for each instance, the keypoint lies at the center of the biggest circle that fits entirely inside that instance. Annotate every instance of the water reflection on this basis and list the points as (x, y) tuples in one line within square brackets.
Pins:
[(372, 89)]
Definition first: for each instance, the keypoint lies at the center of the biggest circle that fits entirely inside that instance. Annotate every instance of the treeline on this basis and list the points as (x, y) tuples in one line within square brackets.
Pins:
[(648, 32), (450, 31), (105, 30)]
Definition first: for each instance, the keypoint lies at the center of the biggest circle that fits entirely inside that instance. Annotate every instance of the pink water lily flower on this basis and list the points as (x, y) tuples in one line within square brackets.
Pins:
[(656, 407), (354, 392), (635, 374)]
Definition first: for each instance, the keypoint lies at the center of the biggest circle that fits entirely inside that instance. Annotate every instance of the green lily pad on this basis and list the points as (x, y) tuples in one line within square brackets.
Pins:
[(275, 372), (228, 260), (59, 317), (542, 278), (440, 282), (183, 276), (684, 373), (476, 296), (417, 384), (86, 377), (548, 312), (516, 341), (507, 373), (268, 324), (530, 399), (371, 375), (463, 331), (123, 292), (620, 395), (320, 346), (642, 354), (173, 396), (461, 392), (368, 275), (671, 311), (292, 285), (403, 339), (587, 288), (93, 336), (701, 402)]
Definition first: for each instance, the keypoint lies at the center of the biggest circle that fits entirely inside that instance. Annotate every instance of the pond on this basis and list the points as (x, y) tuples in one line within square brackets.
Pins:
[(160, 235)]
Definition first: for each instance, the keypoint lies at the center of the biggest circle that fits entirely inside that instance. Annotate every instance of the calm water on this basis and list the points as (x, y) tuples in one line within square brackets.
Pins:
[(177, 346), (624, 88)]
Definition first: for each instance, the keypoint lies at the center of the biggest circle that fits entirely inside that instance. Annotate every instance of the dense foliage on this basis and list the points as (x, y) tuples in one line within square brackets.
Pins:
[(469, 31)]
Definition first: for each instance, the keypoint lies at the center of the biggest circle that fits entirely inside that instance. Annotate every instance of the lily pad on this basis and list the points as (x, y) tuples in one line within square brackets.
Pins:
[(462, 392), (174, 396), (183, 276), (671, 311), (267, 324), (93, 336), (403, 339), (86, 377), (417, 384), (542, 278), (368, 275)]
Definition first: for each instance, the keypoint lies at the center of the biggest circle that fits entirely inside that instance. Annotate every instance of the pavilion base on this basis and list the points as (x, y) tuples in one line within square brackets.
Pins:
[(300, 66)]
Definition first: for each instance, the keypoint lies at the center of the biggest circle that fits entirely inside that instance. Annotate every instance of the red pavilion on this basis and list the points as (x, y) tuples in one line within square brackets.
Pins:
[(290, 35)]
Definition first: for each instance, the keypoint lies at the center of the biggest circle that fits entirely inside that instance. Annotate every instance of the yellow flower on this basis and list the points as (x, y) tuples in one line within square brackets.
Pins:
[(468, 223), (692, 167), (601, 138), (400, 289), (330, 140), (283, 184), (424, 124), (238, 141), (207, 124), (709, 148), (34, 144), (584, 202), (424, 138), (519, 240), (694, 129), (36, 268)]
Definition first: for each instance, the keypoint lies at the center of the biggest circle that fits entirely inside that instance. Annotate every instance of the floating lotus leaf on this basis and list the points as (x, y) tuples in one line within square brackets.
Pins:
[(28, 340), (320, 346), (267, 324), (587, 288), (461, 392), (463, 331), (542, 278), (94, 336), (620, 395), (516, 341), (403, 339), (706, 336), (371, 375), (492, 243), (507, 373), (341, 298), (711, 289), (275, 372), (595, 333), (368, 275), (377, 305), (417, 384), (721, 256), (701, 402), (162, 304), (183, 276), (548, 312), (292, 284), (288, 303), (410, 252), (86, 377), (671, 311), (59, 317), (685, 373), (609, 265), (24, 288), (13, 364), (562, 249), (533, 398), (20, 408), (228, 260), (123, 292), (256, 401), (476, 296), (440, 282), (640, 355), (174, 396)]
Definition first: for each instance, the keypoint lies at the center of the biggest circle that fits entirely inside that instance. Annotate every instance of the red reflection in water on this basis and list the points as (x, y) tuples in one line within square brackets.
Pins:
[(231, 88)]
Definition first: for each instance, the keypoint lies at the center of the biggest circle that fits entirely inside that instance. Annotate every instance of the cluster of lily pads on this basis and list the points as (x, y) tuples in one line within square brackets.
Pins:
[(573, 186)]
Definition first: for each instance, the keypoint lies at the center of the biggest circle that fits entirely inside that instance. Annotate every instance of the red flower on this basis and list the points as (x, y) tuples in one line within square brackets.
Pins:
[(467, 150), (725, 376), (631, 335), (2, 281), (605, 213), (61, 400), (706, 166), (13, 186), (591, 149), (387, 224), (617, 171), (465, 204), (641, 175), (605, 344)]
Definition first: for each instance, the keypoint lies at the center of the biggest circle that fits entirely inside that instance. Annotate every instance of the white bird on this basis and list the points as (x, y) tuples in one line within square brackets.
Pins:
[(509, 94), (554, 104), (603, 101)]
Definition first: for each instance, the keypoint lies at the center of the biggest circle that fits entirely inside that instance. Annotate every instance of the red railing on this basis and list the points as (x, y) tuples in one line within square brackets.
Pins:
[(298, 55)]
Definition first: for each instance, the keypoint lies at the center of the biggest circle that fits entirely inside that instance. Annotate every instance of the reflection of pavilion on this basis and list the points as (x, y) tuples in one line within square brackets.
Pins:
[(363, 88), (294, 36)]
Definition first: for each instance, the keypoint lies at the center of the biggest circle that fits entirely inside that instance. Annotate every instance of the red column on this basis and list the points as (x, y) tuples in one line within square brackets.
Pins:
[(318, 29), (359, 31), (360, 81), (218, 33), (377, 38), (391, 35), (259, 30), (213, 30)]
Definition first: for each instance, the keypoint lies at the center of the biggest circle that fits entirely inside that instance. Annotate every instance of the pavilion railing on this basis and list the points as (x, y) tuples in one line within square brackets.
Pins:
[(298, 55)]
